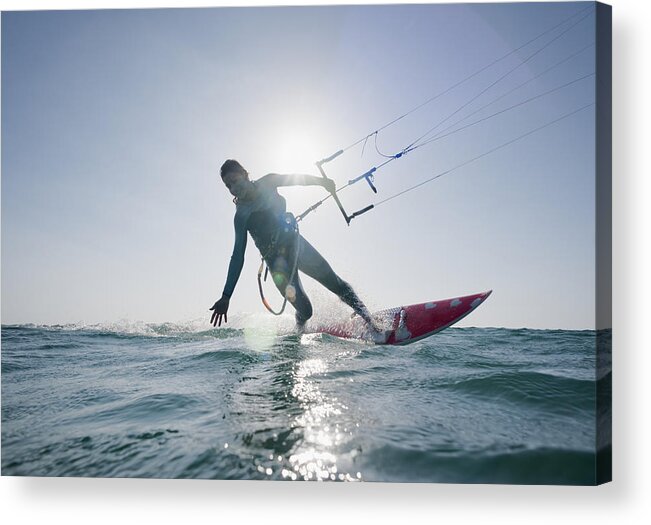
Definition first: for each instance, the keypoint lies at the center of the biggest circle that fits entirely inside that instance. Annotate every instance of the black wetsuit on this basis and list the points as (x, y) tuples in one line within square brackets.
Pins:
[(264, 218)]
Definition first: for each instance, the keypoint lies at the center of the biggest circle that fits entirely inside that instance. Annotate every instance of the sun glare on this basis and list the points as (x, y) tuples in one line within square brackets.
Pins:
[(297, 152)]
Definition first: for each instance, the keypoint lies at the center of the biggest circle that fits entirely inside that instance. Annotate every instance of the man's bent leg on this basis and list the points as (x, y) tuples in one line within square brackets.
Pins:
[(312, 263), (281, 266), (300, 301)]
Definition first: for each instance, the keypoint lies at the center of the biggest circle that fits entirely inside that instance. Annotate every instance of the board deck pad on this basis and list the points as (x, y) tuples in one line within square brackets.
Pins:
[(406, 324)]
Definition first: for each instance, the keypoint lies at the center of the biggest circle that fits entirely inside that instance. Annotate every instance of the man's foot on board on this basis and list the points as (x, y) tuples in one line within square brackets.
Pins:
[(376, 332), (380, 336)]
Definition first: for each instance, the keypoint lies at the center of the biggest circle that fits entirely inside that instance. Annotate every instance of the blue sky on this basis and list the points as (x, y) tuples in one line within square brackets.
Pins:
[(115, 123)]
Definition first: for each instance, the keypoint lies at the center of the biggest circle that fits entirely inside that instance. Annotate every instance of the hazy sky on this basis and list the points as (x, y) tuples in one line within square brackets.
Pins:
[(115, 123)]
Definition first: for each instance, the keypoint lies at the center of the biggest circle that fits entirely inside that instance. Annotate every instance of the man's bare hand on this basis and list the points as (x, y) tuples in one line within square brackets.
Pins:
[(220, 310)]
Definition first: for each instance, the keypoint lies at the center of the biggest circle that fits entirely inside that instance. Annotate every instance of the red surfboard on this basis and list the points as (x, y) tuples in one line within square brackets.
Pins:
[(406, 324)]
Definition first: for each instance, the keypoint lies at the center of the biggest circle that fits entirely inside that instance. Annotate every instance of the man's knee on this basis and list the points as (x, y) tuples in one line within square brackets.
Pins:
[(303, 313), (301, 303)]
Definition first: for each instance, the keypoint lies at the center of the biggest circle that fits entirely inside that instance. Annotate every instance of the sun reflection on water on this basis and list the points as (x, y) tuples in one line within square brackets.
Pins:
[(321, 434), (318, 466), (299, 380), (261, 335)]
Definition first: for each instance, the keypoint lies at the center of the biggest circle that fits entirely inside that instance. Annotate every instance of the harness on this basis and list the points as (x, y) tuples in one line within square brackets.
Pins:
[(288, 226)]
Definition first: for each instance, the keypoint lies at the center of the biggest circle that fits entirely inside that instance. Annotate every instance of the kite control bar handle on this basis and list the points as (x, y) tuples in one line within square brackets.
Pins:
[(330, 158), (334, 195), (363, 210), (369, 179)]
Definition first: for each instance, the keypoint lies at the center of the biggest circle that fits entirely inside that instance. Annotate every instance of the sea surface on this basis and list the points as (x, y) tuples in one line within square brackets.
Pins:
[(468, 405)]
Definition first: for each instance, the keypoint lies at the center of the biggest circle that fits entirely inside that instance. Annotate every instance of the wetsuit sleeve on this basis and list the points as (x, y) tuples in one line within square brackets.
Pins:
[(275, 179), (237, 259)]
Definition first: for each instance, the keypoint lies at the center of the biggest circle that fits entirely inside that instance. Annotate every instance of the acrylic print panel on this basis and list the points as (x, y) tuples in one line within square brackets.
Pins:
[(446, 167)]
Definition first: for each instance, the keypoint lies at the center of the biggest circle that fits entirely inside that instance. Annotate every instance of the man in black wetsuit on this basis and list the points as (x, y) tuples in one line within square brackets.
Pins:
[(261, 211)]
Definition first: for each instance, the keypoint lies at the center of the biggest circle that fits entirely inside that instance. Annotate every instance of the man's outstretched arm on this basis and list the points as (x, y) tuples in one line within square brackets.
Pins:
[(276, 179), (220, 308)]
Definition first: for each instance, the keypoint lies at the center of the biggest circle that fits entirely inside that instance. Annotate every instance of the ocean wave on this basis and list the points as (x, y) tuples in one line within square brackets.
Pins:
[(129, 330), (515, 465), (97, 456), (220, 356), (180, 400), (533, 388), (152, 407)]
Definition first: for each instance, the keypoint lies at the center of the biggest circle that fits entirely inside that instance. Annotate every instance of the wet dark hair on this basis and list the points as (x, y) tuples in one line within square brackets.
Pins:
[(232, 166)]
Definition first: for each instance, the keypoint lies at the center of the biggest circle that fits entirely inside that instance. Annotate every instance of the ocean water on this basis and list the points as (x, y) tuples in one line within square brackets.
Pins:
[(468, 405)]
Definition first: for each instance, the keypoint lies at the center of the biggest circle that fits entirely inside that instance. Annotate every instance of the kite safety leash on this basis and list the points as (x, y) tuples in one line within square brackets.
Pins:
[(290, 227)]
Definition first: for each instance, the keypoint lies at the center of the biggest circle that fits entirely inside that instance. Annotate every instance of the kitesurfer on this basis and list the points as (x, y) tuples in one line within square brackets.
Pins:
[(261, 211)]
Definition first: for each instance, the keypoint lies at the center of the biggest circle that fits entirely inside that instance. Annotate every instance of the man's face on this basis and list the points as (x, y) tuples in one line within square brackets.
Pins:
[(236, 183)]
